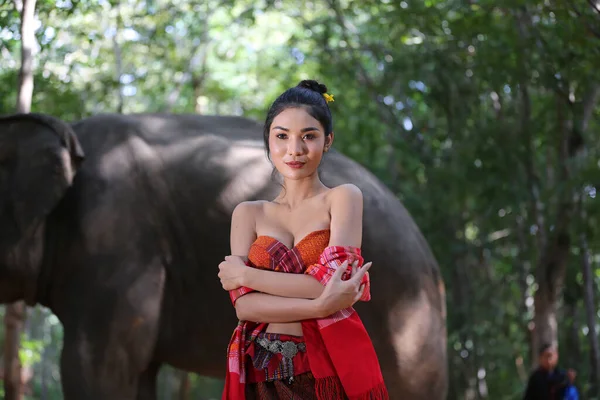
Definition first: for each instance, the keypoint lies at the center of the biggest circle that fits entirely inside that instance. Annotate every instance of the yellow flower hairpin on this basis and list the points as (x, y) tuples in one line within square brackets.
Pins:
[(328, 97)]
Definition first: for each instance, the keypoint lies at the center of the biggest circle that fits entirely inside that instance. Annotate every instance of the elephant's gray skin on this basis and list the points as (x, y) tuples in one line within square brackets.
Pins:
[(123, 246)]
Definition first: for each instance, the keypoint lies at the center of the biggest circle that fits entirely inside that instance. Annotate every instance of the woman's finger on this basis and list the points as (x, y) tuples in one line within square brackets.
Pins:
[(354, 268), (339, 272), (359, 294), (362, 271)]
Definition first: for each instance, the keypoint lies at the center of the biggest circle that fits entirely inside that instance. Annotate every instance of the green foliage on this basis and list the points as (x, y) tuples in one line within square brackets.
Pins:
[(30, 351)]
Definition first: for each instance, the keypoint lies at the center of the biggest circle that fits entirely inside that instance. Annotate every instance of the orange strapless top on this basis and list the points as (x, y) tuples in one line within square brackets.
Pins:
[(269, 253)]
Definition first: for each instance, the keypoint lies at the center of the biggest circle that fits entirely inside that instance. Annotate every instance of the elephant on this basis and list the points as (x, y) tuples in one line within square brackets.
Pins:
[(117, 224)]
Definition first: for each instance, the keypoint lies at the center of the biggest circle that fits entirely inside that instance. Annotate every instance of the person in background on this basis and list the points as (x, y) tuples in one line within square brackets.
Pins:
[(548, 381)]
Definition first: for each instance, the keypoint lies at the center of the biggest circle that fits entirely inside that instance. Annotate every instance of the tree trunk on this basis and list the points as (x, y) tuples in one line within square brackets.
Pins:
[(573, 356), (44, 360), (197, 85), (184, 386), (468, 381), (550, 277), (13, 324), (590, 314), (552, 252), (168, 391), (118, 59), (552, 264), (524, 268), (15, 313), (27, 43)]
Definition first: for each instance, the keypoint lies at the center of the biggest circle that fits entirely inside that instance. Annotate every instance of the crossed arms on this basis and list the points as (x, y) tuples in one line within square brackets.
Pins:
[(286, 297)]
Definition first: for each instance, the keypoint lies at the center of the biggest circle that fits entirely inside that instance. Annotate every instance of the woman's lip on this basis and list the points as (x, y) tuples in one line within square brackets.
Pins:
[(295, 164)]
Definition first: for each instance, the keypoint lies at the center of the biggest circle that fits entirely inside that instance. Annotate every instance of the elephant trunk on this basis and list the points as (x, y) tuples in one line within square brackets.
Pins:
[(38, 161)]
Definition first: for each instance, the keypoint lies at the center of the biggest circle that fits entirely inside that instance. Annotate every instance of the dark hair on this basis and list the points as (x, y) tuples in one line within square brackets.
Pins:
[(307, 94), (543, 348)]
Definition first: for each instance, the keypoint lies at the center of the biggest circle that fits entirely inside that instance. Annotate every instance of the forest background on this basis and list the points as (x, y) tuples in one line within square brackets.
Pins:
[(482, 116)]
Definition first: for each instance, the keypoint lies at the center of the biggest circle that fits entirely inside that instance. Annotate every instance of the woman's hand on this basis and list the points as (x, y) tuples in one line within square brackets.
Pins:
[(232, 272), (340, 294)]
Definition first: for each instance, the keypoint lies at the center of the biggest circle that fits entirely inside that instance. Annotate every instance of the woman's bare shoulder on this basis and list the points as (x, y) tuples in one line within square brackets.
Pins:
[(347, 193), (248, 210), (250, 206)]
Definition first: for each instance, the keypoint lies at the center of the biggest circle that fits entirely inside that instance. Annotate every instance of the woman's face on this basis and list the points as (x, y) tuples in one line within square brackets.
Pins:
[(297, 141)]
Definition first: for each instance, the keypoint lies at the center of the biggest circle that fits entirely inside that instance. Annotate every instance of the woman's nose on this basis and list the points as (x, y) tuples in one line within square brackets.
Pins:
[(295, 146)]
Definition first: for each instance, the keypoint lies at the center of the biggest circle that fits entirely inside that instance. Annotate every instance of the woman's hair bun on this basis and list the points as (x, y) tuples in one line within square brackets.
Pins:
[(313, 85)]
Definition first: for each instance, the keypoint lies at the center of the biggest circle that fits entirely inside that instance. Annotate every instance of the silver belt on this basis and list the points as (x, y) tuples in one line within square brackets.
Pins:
[(288, 348)]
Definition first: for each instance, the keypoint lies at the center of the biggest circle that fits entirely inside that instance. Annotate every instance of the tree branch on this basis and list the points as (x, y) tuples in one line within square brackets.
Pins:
[(363, 72), (589, 103), (118, 59), (525, 127), (580, 15), (593, 5), (386, 112)]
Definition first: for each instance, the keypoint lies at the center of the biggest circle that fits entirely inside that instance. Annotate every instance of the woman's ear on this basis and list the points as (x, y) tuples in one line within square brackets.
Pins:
[(328, 142)]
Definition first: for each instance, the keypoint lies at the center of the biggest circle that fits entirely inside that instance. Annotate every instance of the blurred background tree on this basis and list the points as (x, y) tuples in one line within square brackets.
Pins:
[(482, 116)]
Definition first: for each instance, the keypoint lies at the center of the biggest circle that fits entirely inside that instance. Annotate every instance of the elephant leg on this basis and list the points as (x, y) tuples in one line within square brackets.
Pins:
[(147, 383), (108, 351), (83, 379), (416, 368)]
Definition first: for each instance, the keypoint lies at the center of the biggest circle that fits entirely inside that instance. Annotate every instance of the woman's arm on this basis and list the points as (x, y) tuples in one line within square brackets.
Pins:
[(345, 239), (346, 204), (338, 295), (260, 307), (346, 216), (282, 284)]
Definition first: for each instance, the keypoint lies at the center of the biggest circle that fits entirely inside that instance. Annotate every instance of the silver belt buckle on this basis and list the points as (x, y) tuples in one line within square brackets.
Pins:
[(288, 349)]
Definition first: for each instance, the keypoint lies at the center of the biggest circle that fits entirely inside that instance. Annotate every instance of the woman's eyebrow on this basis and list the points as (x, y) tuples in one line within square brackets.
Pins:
[(307, 129)]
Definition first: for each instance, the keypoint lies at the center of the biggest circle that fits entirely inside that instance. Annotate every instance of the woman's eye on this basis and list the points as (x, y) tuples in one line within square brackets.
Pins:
[(281, 136), (310, 136)]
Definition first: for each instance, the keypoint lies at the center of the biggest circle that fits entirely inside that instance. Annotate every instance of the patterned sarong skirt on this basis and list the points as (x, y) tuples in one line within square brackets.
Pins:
[(278, 368)]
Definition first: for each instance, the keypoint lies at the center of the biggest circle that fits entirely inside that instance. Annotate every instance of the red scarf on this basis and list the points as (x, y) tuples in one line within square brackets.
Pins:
[(341, 367)]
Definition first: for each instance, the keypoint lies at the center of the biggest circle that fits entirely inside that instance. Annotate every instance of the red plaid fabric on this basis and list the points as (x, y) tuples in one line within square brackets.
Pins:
[(242, 290), (331, 259), (341, 368)]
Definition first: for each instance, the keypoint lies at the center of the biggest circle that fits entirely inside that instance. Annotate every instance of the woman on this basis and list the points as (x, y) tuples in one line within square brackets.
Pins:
[(298, 336)]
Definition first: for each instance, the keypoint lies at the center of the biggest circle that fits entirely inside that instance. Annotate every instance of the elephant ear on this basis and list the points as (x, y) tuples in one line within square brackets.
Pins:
[(46, 155)]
